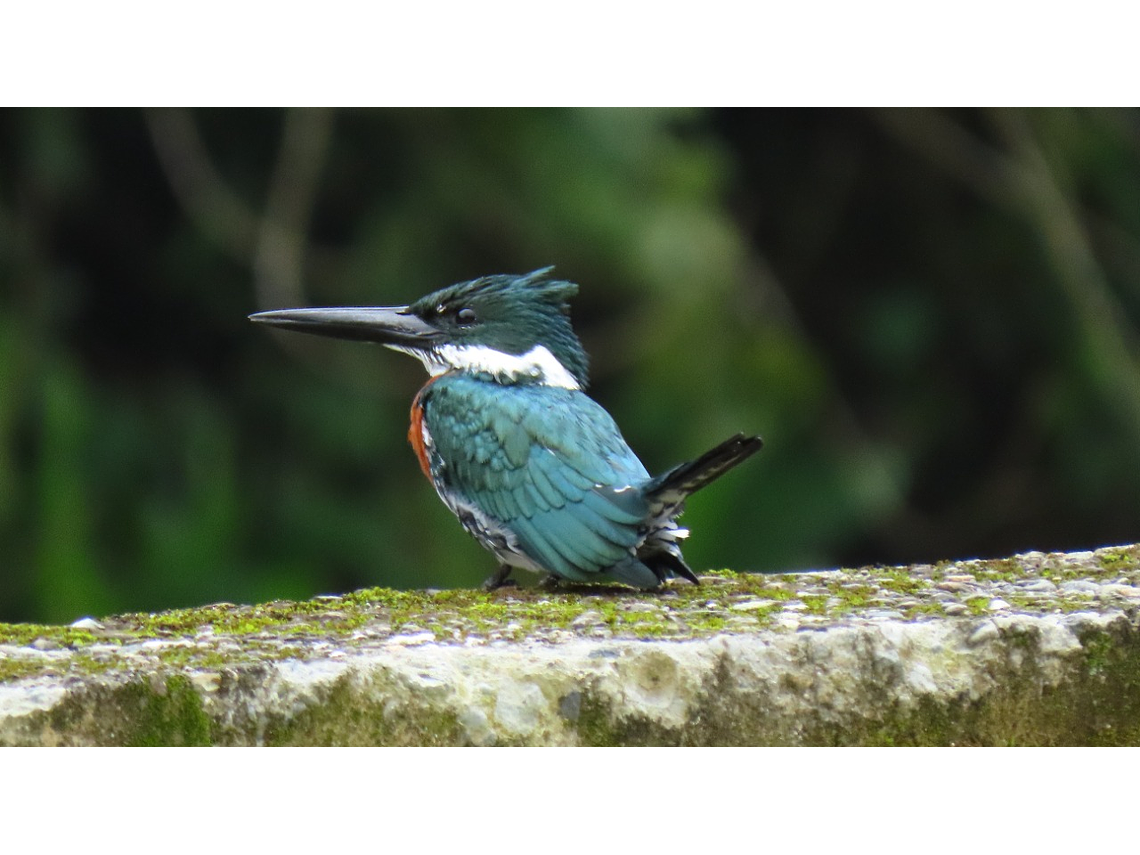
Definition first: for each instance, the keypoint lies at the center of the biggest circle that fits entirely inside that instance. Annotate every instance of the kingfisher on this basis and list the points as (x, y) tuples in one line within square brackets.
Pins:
[(535, 470)]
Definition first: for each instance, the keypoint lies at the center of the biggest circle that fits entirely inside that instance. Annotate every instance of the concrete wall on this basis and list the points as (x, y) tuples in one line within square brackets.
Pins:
[(1030, 650)]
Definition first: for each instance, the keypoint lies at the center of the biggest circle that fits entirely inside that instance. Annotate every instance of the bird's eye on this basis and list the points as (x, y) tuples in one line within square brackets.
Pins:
[(465, 317)]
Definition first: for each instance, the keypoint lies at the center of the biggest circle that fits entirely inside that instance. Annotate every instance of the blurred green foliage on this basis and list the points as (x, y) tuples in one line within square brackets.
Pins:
[(930, 316)]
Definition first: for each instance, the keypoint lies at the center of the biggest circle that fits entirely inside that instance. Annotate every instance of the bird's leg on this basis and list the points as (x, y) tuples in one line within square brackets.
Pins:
[(499, 578), (550, 582)]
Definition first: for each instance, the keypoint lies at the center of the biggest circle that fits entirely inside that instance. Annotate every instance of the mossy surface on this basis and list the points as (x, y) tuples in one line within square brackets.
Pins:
[(166, 678), (221, 634), (156, 711), (1096, 702), (727, 601), (355, 712)]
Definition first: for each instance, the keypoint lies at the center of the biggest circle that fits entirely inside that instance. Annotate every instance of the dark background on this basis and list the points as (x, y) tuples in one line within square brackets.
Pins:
[(931, 317)]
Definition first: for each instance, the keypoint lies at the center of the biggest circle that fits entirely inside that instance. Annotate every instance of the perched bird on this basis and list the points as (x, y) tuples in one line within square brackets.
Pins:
[(535, 470)]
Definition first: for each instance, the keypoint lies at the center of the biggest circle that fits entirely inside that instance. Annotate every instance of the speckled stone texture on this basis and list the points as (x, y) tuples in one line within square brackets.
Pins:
[(1037, 649)]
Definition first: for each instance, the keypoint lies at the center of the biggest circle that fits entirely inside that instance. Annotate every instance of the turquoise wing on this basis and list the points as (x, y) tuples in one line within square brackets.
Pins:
[(547, 463)]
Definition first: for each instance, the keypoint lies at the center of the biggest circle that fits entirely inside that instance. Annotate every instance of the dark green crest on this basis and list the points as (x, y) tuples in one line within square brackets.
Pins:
[(511, 314)]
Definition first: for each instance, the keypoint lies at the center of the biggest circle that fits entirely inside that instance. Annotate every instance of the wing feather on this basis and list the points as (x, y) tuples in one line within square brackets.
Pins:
[(547, 463)]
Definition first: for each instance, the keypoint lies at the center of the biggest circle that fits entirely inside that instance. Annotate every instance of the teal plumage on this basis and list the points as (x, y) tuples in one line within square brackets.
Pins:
[(547, 463), (533, 468)]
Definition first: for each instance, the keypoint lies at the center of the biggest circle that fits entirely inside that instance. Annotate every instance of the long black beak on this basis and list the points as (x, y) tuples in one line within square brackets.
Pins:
[(395, 326)]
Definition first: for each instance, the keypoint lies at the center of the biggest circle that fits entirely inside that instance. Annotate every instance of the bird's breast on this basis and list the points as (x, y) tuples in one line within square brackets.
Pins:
[(418, 435)]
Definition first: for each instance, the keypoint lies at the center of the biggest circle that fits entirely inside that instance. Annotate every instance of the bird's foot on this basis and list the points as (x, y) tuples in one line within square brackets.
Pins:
[(500, 579), (550, 582)]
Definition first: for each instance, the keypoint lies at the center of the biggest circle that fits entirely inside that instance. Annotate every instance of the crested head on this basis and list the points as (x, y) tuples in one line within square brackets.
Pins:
[(512, 329), (515, 328)]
